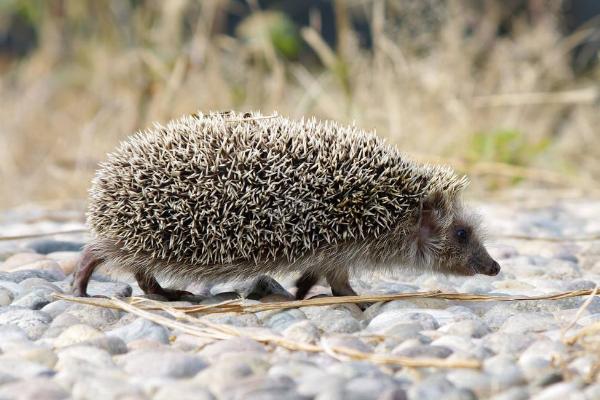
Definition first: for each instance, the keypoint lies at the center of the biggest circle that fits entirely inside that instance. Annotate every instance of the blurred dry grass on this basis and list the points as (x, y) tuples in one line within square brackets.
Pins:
[(451, 88)]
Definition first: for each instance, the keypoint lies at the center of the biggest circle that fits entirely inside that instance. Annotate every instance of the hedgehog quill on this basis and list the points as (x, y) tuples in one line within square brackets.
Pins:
[(228, 196)]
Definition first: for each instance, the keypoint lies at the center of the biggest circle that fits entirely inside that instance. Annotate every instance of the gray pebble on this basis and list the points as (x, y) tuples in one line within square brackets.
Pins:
[(469, 327), (266, 286), (12, 333), (284, 319), (426, 351), (47, 275), (34, 323), (141, 329), (183, 391), (515, 393), (47, 246), (527, 323), (57, 307), (559, 391), (6, 297), (332, 320), (160, 363), (385, 321), (302, 331), (98, 317), (437, 387), (36, 388), (234, 345), (34, 299)]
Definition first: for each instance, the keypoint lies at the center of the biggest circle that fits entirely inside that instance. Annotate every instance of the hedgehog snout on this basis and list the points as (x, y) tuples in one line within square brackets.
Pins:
[(486, 265)]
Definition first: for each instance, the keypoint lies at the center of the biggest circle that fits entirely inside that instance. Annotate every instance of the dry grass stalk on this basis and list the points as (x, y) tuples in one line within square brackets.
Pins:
[(238, 306), (583, 307), (206, 329)]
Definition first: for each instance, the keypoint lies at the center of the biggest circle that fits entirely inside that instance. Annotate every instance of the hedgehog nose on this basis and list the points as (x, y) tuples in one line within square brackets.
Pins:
[(494, 268)]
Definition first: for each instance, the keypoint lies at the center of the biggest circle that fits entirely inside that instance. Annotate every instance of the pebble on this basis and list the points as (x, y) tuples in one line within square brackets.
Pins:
[(6, 297), (158, 363), (47, 246), (302, 331), (33, 322), (141, 329), (37, 388)]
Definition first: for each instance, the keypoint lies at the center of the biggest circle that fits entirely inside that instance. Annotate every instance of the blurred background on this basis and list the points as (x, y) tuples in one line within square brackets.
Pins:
[(506, 91)]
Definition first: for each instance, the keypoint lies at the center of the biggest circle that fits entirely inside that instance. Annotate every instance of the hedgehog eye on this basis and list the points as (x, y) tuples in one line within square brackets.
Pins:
[(462, 235)]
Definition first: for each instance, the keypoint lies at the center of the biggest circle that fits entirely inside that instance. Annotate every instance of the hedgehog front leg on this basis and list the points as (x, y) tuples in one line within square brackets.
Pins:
[(85, 268), (150, 285), (305, 283)]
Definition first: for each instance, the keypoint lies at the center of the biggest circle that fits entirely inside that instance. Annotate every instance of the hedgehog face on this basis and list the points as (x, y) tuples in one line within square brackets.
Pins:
[(451, 239)]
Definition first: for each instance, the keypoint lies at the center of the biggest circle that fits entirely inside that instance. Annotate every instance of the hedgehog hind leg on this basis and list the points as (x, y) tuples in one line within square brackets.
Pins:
[(340, 286), (150, 285), (85, 268)]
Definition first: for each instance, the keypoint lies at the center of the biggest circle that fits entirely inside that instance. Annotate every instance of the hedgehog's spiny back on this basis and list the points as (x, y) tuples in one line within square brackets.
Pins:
[(214, 189)]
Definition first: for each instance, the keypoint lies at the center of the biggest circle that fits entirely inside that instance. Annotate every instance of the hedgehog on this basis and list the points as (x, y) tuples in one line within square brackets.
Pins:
[(231, 196)]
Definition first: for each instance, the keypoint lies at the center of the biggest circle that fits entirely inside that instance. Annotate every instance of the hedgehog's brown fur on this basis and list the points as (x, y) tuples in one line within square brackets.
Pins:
[(226, 195)]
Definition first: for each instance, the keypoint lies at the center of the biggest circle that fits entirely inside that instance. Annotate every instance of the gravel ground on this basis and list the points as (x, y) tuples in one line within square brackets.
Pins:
[(55, 349)]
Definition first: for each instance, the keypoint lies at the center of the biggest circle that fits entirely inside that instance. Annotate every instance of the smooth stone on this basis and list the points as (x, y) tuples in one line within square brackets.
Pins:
[(527, 323), (57, 307), (468, 328), (350, 342), (33, 322), (302, 331), (47, 246), (35, 299), (79, 356), (558, 391), (385, 321), (426, 351), (545, 349), (36, 388), (235, 319), (332, 320), (98, 317), (535, 368), (111, 344), (366, 388), (14, 288), (462, 346), (109, 289), (319, 384), (77, 334), (48, 275), (515, 393), (234, 345), (6, 297), (187, 342), (266, 286), (105, 385), (262, 388), (437, 387), (141, 329), (592, 392), (30, 352), (12, 333), (507, 343), (160, 363), (352, 369), (584, 365), (21, 368), (283, 319), (504, 372), (41, 265), (478, 382), (183, 391), (231, 369), (39, 283), (19, 259), (60, 323)]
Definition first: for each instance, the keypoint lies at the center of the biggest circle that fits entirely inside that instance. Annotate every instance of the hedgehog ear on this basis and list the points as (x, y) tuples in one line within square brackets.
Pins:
[(431, 210)]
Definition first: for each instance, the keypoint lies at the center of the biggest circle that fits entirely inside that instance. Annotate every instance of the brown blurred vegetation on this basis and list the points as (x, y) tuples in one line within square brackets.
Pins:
[(441, 79)]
